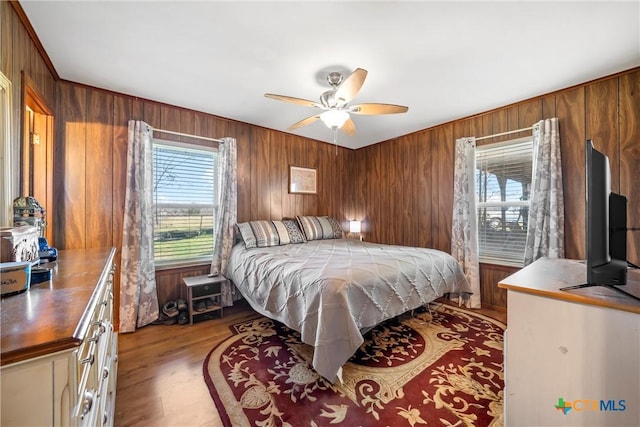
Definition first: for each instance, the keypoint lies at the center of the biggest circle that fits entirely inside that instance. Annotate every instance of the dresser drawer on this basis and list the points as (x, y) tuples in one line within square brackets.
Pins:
[(96, 360), (206, 289), (71, 379)]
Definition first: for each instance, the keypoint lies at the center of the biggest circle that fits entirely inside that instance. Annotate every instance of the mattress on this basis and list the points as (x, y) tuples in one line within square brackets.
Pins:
[(332, 290)]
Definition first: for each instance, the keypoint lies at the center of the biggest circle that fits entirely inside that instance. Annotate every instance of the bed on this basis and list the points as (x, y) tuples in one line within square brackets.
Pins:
[(334, 290)]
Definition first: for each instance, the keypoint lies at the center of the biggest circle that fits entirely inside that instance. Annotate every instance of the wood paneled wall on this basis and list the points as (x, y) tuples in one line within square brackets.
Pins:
[(91, 152), (19, 54), (403, 187)]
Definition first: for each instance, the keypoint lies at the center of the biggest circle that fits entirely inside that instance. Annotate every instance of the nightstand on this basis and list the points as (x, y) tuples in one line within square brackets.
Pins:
[(201, 289)]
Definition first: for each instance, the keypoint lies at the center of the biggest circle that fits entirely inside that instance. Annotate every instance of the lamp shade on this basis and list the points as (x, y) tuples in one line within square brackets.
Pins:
[(334, 119), (355, 226)]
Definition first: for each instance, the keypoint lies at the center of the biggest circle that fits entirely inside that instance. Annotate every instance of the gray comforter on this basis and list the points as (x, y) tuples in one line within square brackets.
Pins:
[(331, 290)]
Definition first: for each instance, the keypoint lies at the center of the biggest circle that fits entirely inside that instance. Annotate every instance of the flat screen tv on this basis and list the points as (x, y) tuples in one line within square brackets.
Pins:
[(605, 226)]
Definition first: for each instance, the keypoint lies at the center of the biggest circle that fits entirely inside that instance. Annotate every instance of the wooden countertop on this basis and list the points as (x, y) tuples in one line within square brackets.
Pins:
[(49, 316), (546, 276)]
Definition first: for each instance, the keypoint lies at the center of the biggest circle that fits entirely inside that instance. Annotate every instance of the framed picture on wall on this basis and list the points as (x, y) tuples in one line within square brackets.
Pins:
[(302, 180)]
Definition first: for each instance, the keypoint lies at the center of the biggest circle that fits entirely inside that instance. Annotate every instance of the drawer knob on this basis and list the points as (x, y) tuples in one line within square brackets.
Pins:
[(88, 360), (87, 402)]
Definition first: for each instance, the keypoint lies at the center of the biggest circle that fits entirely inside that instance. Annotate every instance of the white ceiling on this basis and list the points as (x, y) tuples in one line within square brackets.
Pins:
[(444, 60)]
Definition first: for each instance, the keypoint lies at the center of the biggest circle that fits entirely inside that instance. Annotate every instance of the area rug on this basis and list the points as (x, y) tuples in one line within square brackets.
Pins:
[(438, 365)]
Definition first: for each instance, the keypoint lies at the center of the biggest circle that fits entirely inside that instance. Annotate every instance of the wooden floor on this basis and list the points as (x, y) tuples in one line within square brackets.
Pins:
[(160, 380)]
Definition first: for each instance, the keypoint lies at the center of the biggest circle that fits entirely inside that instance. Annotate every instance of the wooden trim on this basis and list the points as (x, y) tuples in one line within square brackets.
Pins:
[(31, 97), (499, 267), (30, 92), (34, 38), (66, 344), (494, 307)]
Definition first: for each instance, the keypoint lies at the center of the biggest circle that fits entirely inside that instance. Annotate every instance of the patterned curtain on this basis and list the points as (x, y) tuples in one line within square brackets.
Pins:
[(464, 230), (226, 214), (138, 297), (545, 233)]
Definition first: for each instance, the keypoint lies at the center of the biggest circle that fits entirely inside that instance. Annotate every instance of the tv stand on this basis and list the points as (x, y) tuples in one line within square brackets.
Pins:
[(581, 346), (610, 276), (589, 285)]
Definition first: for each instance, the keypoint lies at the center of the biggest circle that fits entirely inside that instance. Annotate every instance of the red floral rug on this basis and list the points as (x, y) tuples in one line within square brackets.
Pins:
[(438, 366)]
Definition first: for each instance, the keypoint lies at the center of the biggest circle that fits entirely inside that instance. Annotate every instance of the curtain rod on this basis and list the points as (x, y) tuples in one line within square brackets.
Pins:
[(504, 133), (188, 135)]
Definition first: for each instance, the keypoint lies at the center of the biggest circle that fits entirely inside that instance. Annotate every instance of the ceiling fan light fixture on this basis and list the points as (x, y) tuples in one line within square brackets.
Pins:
[(334, 119), (335, 104)]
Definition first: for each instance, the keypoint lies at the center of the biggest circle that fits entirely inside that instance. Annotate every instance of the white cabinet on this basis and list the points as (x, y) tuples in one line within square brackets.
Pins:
[(578, 349), (59, 348)]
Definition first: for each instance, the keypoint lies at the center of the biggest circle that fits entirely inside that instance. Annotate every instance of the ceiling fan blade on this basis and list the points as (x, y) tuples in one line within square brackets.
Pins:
[(349, 88), (377, 109), (349, 127), (293, 100), (304, 122)]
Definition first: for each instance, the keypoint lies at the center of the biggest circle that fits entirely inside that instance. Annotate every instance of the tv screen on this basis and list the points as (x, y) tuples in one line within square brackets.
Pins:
[(605, 226), (598, 189), (606, 256)]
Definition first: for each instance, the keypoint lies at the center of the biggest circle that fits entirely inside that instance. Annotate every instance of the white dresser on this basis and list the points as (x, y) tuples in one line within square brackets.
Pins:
[(59, 351), (572, 358)]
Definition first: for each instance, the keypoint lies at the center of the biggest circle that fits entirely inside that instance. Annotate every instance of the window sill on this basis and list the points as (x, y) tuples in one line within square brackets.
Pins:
[(183, 264), (502, 264)]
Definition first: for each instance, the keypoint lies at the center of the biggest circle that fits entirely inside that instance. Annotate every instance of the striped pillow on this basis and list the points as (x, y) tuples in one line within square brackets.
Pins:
[(320, 227), (247, 235), (265, 232), (259, 234), (283, 233), (311, 227), (337, 229), (327, 228)]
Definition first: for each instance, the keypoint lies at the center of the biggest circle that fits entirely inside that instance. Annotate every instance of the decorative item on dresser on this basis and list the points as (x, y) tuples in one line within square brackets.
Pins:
[(59, 349)]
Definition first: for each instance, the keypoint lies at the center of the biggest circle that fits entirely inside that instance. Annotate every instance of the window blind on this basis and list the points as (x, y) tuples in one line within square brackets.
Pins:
[(184, 201), (503, 185)]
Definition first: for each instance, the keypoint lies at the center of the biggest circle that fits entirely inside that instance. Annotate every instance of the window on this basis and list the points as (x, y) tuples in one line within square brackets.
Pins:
[(184, 202), (503, 183)]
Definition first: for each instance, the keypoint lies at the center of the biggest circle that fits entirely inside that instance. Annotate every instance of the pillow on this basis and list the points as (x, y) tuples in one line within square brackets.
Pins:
[(320, 227), (265, 232), (295, 234), (259, 234), (283, 234), (337, 229), (247, 235), (311, 227), (327, 229)]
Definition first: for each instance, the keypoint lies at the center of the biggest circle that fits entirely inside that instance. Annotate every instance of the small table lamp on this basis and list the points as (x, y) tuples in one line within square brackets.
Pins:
[(355, 227)]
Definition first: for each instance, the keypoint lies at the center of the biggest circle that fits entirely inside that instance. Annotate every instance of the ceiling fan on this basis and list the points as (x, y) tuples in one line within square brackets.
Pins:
[(335, 103)]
